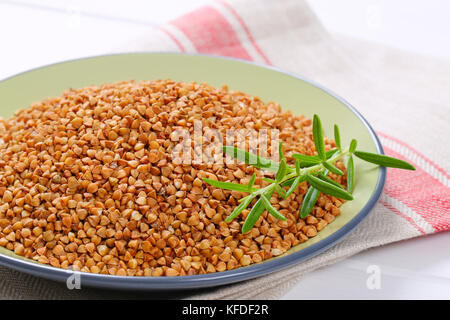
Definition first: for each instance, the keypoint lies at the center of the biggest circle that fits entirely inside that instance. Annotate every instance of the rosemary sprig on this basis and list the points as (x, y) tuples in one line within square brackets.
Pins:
[(312, 169)]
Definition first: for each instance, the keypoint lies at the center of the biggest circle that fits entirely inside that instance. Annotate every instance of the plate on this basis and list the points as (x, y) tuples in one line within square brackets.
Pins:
[(291, 91)]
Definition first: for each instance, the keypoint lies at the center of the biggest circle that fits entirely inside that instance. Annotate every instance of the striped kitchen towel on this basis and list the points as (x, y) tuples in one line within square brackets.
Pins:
[(405, 97)]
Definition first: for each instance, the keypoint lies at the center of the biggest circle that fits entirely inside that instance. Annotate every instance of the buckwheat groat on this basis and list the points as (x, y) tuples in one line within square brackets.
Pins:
[(88, 181)]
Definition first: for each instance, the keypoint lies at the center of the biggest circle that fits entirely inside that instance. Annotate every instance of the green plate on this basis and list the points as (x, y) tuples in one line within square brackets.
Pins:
[(291, 91)]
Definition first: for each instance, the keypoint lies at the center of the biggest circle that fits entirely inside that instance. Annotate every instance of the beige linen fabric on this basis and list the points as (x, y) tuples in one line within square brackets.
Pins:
[(401, 94)]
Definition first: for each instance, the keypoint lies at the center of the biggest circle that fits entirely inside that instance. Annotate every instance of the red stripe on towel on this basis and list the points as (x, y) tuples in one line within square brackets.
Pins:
[(401, 214), (211, 33), (421, 192), (174, 39), (404, 144), (246, 29)]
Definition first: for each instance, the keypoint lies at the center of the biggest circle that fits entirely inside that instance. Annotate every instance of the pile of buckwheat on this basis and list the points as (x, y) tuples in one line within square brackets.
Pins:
[(87, 182)]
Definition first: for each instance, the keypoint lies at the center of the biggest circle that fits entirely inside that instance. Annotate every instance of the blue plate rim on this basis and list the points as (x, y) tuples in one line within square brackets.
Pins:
[(218, 278)]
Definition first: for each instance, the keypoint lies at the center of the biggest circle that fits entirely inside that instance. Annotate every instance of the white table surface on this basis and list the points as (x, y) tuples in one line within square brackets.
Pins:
[(35, 33)]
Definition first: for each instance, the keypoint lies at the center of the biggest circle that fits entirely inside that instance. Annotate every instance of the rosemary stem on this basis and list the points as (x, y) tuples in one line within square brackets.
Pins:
[(303, 172), (319, 166)]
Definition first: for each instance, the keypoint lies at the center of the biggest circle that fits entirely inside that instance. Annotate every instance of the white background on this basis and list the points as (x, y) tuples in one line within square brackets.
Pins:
[(35, 33)]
